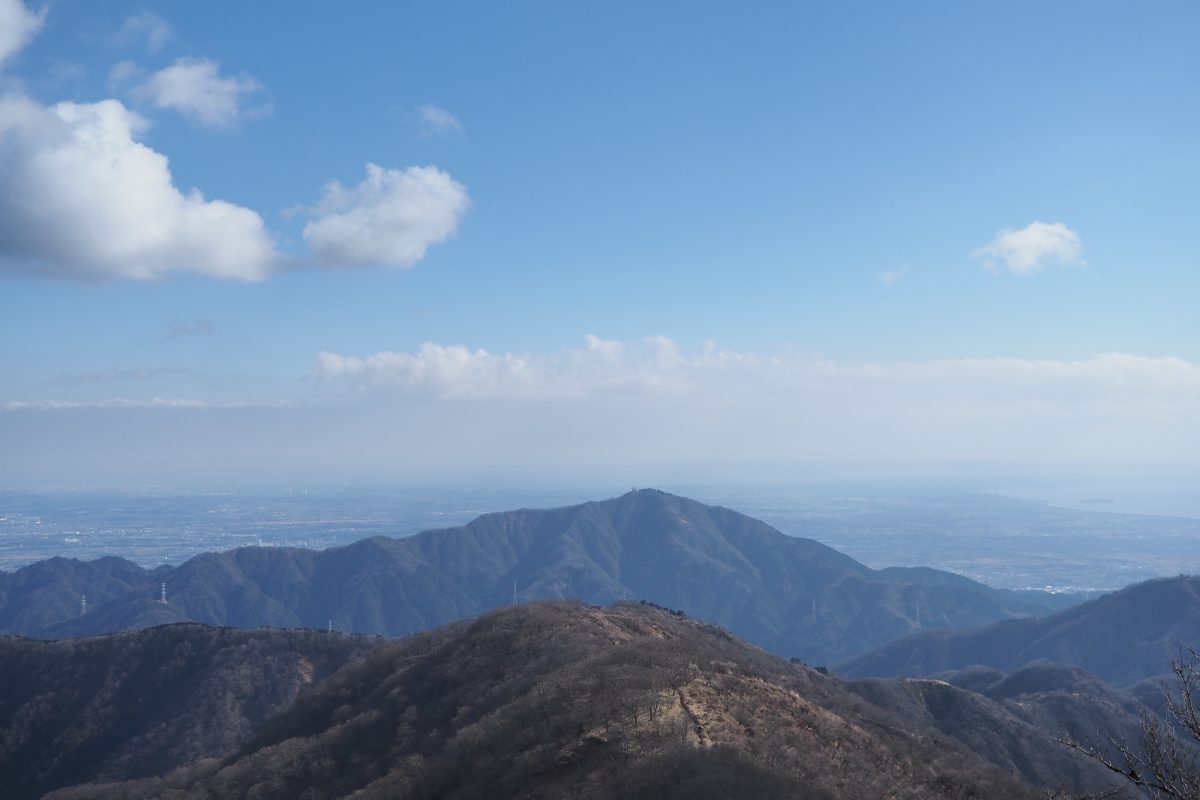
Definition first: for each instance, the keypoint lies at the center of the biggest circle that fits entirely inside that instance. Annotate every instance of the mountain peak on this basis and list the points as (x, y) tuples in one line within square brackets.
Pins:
[(791, 595), (648, 495)]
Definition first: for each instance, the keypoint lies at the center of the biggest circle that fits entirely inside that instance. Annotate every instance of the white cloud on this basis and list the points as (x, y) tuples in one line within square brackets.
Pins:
[(1031, 249), (122, 402), (610, 349), (600, 404), (605, 366), (653, 401), (892, 276), (17, 26), (80, 197), (443, 371), (147, 27), (437, 120), (1009, 388), (664, 352), (389, 219), (195, 88)]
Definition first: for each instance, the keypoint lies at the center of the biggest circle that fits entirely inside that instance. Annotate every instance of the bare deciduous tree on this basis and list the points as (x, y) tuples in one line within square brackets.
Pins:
[(1165, 763)]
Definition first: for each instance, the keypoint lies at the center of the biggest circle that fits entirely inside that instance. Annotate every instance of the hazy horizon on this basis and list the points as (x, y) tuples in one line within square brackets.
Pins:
[(1147, 489)]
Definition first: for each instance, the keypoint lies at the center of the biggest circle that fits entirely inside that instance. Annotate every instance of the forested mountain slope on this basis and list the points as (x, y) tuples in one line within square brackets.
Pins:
[(138, 704), (794, 596), (1123, 638), (566, 700)]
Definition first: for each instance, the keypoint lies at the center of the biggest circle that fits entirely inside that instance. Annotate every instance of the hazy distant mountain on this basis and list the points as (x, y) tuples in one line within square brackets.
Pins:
[(140, 704), (43, 594), (565, 700), (794, 596), (1123, 637)]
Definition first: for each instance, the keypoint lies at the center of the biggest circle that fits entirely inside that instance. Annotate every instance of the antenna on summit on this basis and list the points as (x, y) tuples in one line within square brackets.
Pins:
[(330, 628)]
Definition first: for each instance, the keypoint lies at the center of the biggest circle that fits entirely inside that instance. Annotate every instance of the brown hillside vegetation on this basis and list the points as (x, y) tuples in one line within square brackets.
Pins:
[(139, 704), (566, 700)]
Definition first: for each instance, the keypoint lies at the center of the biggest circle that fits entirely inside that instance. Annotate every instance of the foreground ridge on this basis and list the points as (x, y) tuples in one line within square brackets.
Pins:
[(564, 699)]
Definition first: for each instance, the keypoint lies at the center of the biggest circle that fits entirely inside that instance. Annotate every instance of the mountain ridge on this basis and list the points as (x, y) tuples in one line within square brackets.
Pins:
[(793, 596), (560, 699), (1123, 637)]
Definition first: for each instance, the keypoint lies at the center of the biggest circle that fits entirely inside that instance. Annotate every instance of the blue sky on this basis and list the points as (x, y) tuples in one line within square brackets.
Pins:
[(793, 231)]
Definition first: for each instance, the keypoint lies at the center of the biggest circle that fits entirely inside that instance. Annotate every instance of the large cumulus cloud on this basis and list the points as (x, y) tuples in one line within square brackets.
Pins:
[(81, 197)]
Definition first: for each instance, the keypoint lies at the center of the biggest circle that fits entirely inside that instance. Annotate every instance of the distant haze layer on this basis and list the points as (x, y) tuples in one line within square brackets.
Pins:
[(610, 404)]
